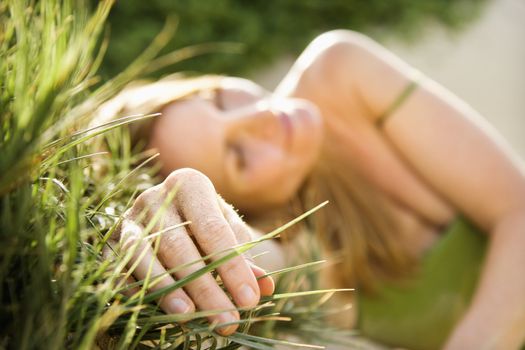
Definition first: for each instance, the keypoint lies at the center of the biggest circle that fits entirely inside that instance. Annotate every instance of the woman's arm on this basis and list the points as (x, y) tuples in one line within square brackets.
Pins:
[(496, 318), (461, 157)]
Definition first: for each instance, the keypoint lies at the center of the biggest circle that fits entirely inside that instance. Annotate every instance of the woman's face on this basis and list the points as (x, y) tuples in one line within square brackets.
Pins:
[(255, 147)]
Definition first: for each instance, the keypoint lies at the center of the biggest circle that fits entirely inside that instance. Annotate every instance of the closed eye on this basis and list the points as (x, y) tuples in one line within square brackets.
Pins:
[(225, 98), (239, 156), (213, 96)]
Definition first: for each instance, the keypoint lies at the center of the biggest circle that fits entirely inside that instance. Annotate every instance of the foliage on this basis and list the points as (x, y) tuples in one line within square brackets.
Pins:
[(57, 211), (268, 29)]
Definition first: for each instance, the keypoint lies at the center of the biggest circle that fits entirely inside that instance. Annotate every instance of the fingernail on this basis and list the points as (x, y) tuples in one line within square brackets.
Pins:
[(247, 296), (227, 318), (178, 306)]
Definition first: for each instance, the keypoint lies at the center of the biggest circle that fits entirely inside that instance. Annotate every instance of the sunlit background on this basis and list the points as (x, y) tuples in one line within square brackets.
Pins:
[(476, 48), (483, 64)]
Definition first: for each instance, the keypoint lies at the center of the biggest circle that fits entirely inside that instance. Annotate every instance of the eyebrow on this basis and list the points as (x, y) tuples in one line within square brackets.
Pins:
[(213, 95), (219, 98)]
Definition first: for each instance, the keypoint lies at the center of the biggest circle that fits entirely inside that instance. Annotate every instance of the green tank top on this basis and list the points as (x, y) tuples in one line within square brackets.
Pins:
[(420, 313)]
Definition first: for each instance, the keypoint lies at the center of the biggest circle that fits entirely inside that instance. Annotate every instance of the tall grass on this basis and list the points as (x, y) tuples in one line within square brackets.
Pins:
[(59, 291)]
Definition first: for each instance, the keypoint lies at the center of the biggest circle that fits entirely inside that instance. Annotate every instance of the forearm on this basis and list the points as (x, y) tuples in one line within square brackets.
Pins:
[(496, 318)]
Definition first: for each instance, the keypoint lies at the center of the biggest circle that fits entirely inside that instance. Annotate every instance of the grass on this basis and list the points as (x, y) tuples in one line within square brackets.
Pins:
[(57, 212)]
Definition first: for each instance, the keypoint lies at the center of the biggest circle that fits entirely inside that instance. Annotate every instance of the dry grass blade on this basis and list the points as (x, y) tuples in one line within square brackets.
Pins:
[(57, 213)]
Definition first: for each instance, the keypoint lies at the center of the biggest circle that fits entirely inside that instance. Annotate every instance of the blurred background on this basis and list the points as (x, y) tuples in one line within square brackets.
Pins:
[(476, 48)]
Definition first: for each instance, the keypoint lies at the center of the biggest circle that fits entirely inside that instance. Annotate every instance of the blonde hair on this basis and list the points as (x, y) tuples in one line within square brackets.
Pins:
[(145, 97), (357, 228)]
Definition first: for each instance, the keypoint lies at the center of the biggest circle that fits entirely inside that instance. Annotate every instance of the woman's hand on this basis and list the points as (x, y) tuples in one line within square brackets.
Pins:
[(214, 226)]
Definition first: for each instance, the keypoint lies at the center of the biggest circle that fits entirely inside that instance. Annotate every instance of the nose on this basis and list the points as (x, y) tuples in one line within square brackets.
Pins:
[(258, 120)]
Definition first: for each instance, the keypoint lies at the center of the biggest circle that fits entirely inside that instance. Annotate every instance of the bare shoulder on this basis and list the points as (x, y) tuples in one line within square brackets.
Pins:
[(324, 65), (433, 137), (442, 139)]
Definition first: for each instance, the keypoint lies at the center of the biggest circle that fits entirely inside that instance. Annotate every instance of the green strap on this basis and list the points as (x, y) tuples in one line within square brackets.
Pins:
[(409, 89)]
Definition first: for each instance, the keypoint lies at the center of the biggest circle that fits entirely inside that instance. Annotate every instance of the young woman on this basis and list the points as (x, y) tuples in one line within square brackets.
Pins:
[(416, 181)]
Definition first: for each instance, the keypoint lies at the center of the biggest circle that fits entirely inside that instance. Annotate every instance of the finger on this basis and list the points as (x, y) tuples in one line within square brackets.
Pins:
[(197, 201), (240, 229), (129, 292), (177, 248), (266, 284), (143, 262), (244, 234), (109, 254)]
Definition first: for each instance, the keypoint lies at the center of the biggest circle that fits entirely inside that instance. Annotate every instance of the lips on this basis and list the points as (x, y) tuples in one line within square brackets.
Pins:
[(287, 125)]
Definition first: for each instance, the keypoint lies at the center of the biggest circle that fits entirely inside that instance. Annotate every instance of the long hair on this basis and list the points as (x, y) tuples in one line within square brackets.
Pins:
[(145, 97), (357, 228)]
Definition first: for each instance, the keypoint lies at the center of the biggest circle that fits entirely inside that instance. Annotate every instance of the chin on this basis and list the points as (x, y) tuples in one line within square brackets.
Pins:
[(310, 127), (311, 116)]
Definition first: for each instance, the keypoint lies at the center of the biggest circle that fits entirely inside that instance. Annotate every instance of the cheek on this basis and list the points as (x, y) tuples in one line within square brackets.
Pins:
[(265, 164), (268, 183), (272, 179)]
